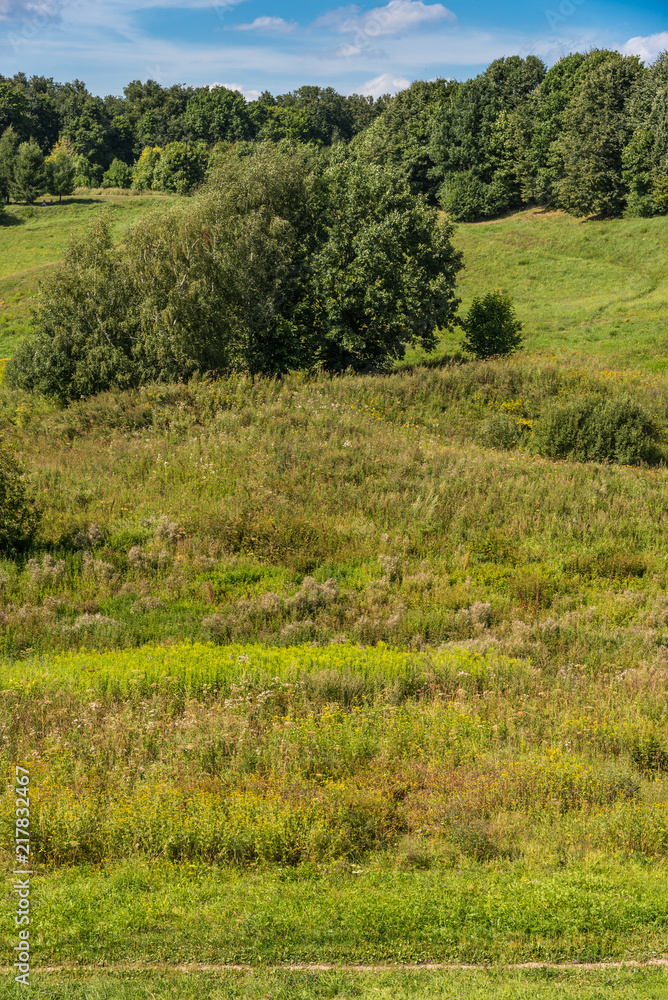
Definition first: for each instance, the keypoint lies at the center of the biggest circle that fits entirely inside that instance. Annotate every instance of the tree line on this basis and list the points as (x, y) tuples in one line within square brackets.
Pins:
[(588, 135)]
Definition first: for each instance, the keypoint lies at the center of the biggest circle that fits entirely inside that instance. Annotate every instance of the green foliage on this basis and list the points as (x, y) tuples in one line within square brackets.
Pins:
[(596, 131), (539, 127), (19, 514), (512, 135), (9, 142), (472, 139), (87, 174), (595, 429), (385, 274), (143, 175), (648, 115), (60, 173), (637, 174), (82, 345), (91, 133), (491, 326), (119, 175), (181, 167), (660, 193), (14, 111), (29, 180), (218, 115), (263, 273), (278, 122), (400, 135)]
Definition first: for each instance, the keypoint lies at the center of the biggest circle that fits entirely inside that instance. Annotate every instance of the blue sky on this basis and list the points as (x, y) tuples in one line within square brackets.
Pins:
[(277, 45)]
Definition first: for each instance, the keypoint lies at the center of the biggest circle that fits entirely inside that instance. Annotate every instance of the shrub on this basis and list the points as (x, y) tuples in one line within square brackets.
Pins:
[(61, 170), (594, 429), (19, 516), (87, 174), (181, 167), (649, 754), (143, 173), (615, 565), (119, 175), (462, 196), (491, 326)]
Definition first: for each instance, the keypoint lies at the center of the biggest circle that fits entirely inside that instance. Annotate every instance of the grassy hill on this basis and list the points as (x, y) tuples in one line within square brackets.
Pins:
[(594, 289), (363, 687)]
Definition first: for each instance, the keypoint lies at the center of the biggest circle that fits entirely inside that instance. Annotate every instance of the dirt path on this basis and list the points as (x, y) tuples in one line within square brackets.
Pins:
[(326, 967)]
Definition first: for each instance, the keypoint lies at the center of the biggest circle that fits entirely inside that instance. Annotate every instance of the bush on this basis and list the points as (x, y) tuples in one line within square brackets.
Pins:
[(19, 516), (119, 175), (594, 429), (462, 196), (87, 174), (181, 168), (491, 326)]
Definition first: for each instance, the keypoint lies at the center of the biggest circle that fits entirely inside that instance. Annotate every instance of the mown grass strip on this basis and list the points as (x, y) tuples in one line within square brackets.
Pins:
[(282, 984), (493, 914)]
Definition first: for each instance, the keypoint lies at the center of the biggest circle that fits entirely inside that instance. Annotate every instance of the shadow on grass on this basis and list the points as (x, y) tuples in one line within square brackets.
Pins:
[(441, 361), (9, 219)]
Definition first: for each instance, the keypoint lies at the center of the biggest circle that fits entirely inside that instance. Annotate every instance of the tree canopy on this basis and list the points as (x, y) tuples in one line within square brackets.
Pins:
[(288, 258), (588, 135)]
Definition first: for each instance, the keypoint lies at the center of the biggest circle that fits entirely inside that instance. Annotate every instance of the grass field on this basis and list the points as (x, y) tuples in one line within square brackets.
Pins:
[(315, 671), (594, 289)]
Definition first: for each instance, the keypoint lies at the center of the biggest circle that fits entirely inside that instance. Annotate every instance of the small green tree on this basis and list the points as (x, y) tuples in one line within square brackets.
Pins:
[(9, 142), (181, 168), (19, 515), (143, 173), (87, 174), (384, 274), (119, 175), (491, 326), (61, 170), (82, 344), (29, 180)]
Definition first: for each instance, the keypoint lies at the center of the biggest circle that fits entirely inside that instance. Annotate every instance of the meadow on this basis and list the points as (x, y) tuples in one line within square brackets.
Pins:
[(340, 671)]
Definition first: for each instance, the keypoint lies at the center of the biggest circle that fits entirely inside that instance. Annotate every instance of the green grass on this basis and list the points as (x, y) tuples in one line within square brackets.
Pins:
[(137, 913), (595, 290), (313, 670), (32, 239), (258, 984)]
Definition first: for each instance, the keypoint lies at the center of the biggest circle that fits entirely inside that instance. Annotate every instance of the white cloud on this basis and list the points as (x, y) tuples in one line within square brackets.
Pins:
[(396, 17), (265, 24), (249, 94), (348, 51), (386, 83), (648, 47)]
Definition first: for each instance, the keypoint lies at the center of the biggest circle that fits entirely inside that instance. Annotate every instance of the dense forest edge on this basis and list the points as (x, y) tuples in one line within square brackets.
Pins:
[(587, 135)]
